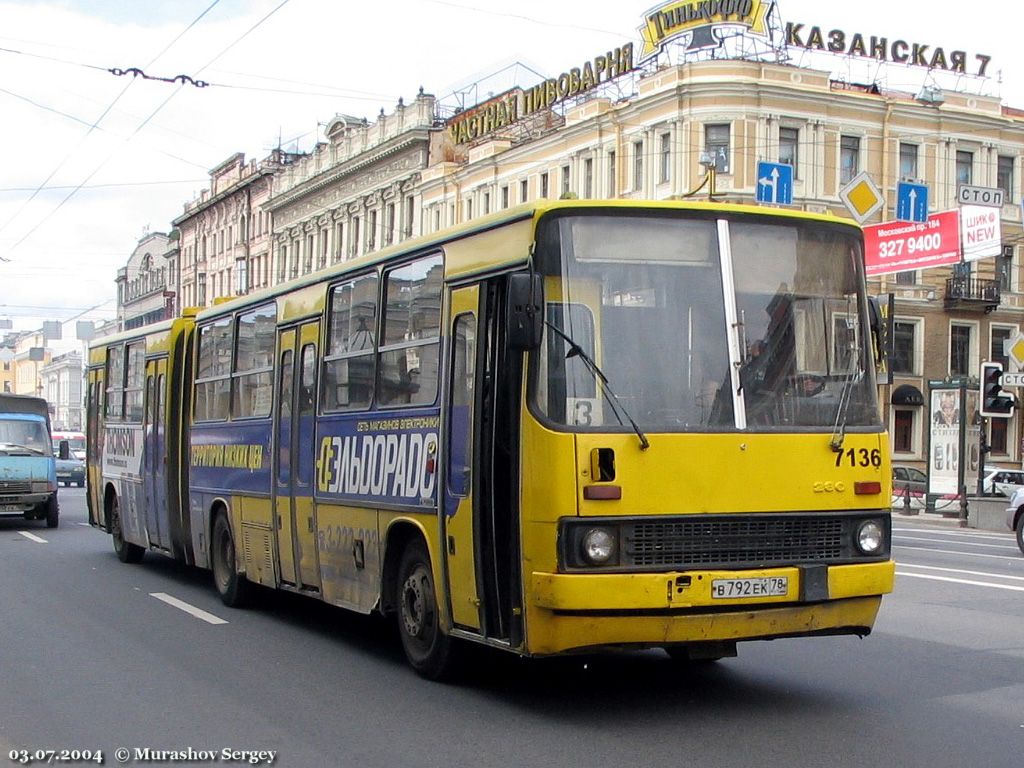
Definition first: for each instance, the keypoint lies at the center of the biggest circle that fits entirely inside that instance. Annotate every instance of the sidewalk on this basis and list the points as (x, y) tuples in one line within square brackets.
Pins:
[(984, 514)]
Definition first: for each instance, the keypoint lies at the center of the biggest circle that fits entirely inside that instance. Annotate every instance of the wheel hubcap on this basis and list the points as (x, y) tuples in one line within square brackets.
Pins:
[(414, 604)]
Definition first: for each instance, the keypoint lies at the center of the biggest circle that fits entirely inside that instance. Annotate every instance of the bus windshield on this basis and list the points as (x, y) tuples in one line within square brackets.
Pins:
[(703, 323)]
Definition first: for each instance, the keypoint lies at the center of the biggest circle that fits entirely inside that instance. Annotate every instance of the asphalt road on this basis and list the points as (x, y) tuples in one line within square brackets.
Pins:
[(93, 656)]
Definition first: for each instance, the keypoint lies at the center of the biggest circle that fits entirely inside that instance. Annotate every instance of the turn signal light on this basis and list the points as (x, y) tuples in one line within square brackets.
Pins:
[(867, 488)]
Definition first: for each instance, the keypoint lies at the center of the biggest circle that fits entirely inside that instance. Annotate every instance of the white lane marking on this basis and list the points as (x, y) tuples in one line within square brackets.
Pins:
[(954, 552), (960, 570), (960, 581), (958, 532), (33, 537), (937, 541), (181, 605)]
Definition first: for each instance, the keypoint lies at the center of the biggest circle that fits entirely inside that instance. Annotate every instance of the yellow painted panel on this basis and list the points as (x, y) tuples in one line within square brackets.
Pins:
[(682, 474), (339, 531)]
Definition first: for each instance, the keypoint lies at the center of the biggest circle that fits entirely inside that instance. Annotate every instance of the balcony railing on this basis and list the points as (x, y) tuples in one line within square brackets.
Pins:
[(972, 293)]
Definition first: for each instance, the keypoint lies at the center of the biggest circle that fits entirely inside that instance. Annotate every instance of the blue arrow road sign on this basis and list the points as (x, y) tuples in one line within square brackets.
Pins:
[(911, 202), (775, 183)]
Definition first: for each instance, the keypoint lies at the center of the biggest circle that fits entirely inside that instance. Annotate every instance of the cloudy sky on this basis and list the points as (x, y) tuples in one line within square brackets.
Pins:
[(95, 160)]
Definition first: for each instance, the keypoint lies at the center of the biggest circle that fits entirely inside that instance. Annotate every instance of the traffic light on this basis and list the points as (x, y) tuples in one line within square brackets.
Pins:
[(994, 401)]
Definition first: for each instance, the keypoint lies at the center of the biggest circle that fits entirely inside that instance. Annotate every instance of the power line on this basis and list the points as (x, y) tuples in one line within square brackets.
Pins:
[(82, 141), (151, 116)]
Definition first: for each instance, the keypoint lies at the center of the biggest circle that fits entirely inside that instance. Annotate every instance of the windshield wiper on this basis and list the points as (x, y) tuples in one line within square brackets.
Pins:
[(575, 350), (8, 448)]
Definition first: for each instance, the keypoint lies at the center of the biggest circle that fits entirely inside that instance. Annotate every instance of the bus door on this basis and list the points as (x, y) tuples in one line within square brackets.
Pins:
[(481, 523), (459, 525), (94, 449), (154, 453), (294, 451)]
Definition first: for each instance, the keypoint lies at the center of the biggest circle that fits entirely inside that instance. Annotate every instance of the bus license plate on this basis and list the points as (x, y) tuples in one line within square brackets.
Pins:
[(10, 508), (733, 589)]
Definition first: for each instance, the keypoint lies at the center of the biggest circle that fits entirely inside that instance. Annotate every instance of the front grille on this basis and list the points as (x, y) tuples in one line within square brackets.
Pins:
[(15, 486), (762, 541)]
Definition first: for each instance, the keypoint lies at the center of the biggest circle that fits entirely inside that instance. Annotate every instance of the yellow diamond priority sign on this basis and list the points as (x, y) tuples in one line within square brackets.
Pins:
[(861, 196), (1015, 349)]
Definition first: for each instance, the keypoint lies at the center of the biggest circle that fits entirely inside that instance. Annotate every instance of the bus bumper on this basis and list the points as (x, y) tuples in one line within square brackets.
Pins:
[(591, 611)]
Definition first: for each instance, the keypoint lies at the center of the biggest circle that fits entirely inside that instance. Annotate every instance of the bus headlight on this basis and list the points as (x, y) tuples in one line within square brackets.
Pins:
[(870, 537), (598, 546)]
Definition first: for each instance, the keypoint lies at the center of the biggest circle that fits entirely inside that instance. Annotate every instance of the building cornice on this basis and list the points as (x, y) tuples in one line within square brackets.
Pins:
[(409, 139)]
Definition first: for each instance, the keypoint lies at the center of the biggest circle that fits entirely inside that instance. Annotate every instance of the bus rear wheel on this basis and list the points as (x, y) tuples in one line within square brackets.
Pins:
[(427, 647), (126, 552), (233, 587)]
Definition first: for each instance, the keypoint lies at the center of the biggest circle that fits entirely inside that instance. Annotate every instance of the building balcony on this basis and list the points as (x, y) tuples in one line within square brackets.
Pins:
[(971, 293)]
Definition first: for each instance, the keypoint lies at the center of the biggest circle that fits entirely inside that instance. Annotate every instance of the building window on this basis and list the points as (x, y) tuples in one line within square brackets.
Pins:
[(389, 224), (524, 190), (613, 188), (789, 148), (371, 231), (566, 186), (486, 204), (665, 157), (638, 165), (904, 347), (544, 185), (1004, 269), (964, 167), (998, 437), (908, 161), (903, 430), (716, 144), (849, 158), (906, 278), (469, 209), (504, 196), (960, 350), (588, 177), (353, 234), (1004, 177), (437, 218), (1000, 335)]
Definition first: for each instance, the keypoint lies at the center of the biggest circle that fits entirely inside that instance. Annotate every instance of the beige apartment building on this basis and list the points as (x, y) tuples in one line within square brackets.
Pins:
[(355, 193), (224, 235), (680, 121)]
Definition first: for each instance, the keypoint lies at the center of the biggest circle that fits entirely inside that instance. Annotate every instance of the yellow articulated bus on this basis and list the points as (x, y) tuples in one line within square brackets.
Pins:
[(571, 426)]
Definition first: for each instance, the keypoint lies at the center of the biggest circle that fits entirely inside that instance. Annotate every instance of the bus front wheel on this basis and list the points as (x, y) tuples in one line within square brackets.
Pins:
[(427, 647), (233, 587), (126, 552)]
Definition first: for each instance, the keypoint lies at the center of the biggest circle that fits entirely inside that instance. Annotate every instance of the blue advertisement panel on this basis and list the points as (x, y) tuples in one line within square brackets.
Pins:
[(387, 459), (231, 457)]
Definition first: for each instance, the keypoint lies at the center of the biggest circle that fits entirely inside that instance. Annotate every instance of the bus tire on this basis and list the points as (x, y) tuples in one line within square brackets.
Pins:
[(126, 552), (52, 512), (428, 649), (234, 589)]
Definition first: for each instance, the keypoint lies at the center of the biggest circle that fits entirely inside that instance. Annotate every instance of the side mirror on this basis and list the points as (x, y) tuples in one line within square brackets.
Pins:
[(525, 310), (64, 450)]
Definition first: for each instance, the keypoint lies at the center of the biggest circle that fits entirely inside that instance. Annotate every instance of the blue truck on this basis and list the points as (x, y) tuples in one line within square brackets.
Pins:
[(28, 469)]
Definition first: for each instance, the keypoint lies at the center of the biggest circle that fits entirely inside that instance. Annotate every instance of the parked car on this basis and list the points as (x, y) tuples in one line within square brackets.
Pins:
[(1015, 516), (999, 481), (911, 478)]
